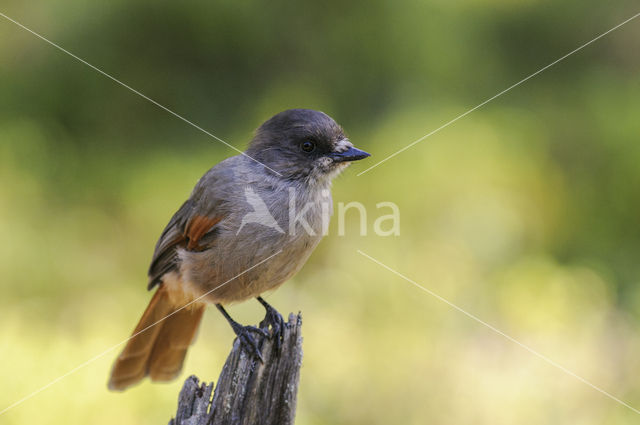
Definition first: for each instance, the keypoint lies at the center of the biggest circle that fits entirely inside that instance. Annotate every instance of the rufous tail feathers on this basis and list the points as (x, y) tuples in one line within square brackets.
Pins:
[(160, 341)]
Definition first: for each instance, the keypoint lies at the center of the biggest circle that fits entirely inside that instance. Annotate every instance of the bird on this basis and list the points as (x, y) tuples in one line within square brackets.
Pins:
[(235, 238)]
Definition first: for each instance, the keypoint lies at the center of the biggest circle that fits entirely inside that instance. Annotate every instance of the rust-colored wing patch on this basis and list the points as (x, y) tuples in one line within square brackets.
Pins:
[(198, 226)]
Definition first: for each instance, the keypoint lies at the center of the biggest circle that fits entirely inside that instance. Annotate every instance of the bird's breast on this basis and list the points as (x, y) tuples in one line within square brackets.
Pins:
[(258, 247)]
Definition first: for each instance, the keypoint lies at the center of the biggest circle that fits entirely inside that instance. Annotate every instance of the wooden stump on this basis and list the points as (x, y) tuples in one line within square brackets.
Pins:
[(248, 392)]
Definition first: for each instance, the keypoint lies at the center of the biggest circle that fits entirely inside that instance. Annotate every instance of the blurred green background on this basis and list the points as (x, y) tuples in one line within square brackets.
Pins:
[(525, 213)]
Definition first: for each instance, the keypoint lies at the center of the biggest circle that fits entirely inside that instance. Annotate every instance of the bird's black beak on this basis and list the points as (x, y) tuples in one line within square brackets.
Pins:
[(351, 154)]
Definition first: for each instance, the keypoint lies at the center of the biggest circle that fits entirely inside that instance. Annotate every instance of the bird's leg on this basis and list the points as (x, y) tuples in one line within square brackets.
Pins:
[(273, 318), (244, 334)]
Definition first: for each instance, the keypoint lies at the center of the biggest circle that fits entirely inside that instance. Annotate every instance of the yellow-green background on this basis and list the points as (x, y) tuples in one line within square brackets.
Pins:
[(525, 212)]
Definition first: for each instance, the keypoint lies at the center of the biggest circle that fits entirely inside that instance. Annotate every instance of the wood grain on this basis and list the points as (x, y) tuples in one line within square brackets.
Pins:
[(248, 392)]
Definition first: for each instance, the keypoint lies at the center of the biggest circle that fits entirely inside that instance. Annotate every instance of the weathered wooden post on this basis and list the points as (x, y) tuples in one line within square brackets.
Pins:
[(248, 392)]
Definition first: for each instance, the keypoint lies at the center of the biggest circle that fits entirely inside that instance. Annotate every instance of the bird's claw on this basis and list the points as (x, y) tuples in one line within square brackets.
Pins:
[(248, 342), (275, 320)]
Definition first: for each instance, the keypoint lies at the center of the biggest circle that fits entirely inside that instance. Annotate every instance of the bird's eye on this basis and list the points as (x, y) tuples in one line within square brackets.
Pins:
[(308, 146)]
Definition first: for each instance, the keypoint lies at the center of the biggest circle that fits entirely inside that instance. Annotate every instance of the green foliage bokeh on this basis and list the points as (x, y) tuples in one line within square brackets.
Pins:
[(525, 212)]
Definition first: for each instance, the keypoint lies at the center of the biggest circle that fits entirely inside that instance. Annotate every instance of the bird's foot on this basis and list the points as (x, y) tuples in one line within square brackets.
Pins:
[(275, 320), (248, 341)]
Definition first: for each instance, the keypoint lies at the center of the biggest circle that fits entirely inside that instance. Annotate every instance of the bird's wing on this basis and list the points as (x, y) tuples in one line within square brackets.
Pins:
[(186, 230)]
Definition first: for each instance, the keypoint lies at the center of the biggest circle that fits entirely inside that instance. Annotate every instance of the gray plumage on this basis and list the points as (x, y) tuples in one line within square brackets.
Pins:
[(224, 253), (237, 236)]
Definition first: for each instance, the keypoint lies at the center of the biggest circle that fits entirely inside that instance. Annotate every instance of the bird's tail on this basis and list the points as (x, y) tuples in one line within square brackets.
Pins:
[(160, 341)]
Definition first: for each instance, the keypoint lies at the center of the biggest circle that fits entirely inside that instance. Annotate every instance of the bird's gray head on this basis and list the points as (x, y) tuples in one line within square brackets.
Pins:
[(302, 144)]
